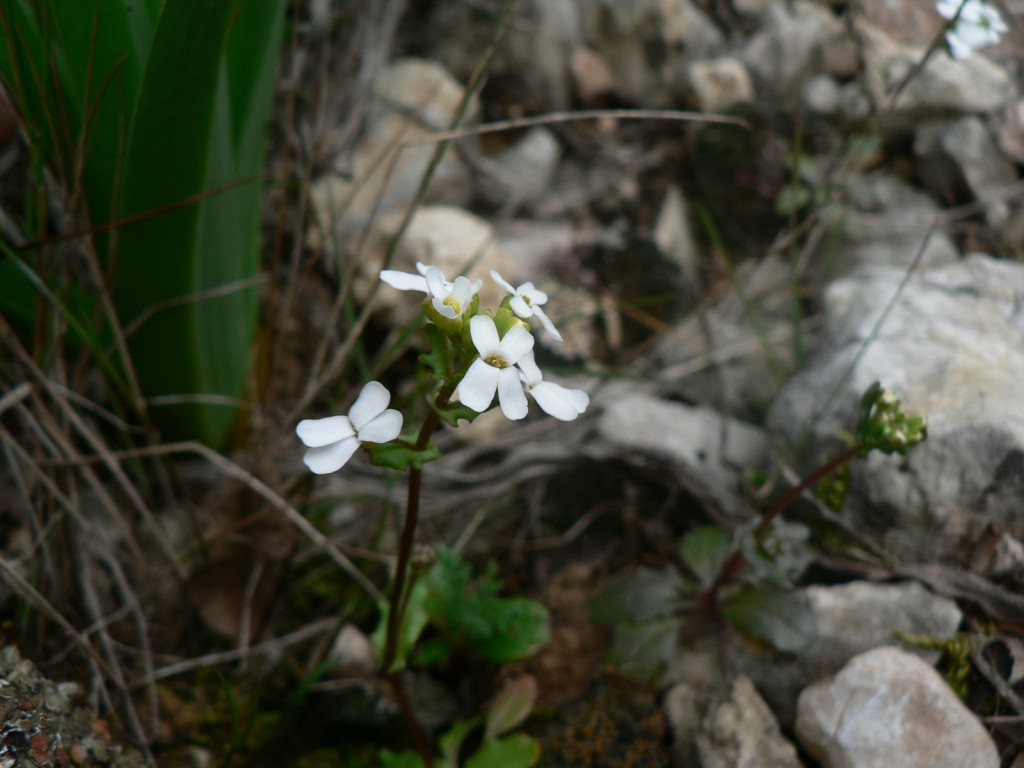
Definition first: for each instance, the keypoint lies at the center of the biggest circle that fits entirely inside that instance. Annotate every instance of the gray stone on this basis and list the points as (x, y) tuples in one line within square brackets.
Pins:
[(838, 623), (952, 349), (521, 172), (943, 84), (884, 221), (821, 94), (711, 450), (739, 350), (674, 236), (739, 731), (889, 709), (959, 152), (786, 51)]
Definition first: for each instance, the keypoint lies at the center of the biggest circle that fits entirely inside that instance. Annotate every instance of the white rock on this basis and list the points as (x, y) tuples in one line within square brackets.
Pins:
[(739, 731), (952, 349), (720, 83), (711, 449), (412, 99), (838, 623), (889, 709)]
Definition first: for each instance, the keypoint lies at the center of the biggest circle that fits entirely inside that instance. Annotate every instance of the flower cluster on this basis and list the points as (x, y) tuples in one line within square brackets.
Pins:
[(483, 355), (975, 25)]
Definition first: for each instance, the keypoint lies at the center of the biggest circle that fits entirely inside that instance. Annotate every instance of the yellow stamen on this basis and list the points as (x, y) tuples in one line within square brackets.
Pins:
[(497, 361)]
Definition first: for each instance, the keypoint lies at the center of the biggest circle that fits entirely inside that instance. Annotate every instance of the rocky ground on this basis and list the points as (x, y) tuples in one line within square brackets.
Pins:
[(727, 289)]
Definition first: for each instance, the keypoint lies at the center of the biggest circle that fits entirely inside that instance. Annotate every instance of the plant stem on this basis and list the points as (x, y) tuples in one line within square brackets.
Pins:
[(396, 608), (734, 565)]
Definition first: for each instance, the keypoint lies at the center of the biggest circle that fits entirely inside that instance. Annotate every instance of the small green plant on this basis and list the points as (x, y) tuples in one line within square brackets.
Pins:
[(477, 360), (741, 579), (468, 614), (496, 746)]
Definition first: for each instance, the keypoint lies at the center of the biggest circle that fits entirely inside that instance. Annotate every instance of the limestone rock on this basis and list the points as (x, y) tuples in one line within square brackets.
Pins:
[(889, 709), (838, 623), (951, 348), (739, 731), (412, 99)]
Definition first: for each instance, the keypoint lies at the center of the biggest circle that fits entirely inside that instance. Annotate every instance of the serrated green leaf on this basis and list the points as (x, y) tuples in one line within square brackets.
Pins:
[(400, 456), (647, 594), (454, 412), (704, 551), (643, 651), (514, 751), (783, 620), (437, 359)]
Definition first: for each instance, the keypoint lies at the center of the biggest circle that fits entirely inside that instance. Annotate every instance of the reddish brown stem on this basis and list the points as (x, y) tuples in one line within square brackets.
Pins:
[(736, 562)]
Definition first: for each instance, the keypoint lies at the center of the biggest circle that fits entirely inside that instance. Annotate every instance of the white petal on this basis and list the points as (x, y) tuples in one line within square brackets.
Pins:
[(510, 395), (438, 287), (474, 287), (330, 458), (485, 335), (516, 343), (546, 322), (520, 306), (317, 432), (422, 268), (384, 428), (476, 390), (497, 278), (531, 373), (530, 291), (445, 310), (555, 400), (403, 281), (371, 402), (462, 291)]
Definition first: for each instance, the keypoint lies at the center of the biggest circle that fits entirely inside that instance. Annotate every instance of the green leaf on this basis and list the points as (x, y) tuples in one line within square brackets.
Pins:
[(400, 456), (438, 358), (511, 706), (515, 751), (641, 596), (781, 619), (452, 413), (643, 651), (471, 614), (704, 551), (451, 741), (407, 759), (413, 623)]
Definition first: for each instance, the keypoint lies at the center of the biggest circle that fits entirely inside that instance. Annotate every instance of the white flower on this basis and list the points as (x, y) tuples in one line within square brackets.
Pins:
[(495, 368), (554, 399), (978, 25), (449, 298), (526, 301), (333, 440)]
